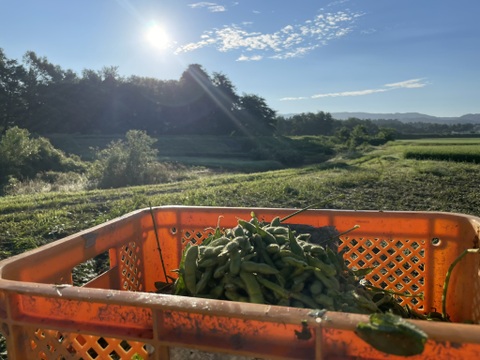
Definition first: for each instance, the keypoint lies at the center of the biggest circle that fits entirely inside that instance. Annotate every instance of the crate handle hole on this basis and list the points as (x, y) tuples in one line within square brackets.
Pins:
[(436, 241)]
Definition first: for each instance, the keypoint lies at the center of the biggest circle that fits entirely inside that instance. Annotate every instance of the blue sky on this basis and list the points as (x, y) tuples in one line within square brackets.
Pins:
[(340, 55)]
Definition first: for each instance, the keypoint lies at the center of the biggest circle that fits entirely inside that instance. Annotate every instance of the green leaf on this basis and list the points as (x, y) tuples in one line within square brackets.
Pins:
[(392, 335)]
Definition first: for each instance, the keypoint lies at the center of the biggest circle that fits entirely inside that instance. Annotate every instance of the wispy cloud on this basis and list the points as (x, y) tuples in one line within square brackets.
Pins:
[(292, 40), (349, 93), (407, 84), (250, 58), (212, 7)]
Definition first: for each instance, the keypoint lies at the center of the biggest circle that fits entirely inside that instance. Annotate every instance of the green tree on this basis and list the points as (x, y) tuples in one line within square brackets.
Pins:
[(12, 102), (225, 103), (256, 117), (358, 136)]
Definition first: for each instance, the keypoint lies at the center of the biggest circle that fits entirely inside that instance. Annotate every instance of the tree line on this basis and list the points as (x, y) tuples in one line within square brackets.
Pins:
[(44, 98), (322, 123)]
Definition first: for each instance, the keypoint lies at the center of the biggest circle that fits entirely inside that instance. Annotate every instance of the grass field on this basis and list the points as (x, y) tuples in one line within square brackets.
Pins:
[(382, 179)]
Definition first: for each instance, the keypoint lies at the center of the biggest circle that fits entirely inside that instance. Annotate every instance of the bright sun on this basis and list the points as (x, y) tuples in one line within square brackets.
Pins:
[(157, 37)]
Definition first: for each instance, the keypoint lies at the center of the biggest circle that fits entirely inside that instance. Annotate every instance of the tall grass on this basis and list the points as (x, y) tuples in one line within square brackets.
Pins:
[(461, 153)]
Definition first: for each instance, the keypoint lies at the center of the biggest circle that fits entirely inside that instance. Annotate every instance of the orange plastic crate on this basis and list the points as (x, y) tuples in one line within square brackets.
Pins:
[(118, 315)]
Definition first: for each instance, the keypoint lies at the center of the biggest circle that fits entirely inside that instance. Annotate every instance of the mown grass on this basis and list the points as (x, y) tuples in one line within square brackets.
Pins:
[(379, 180)]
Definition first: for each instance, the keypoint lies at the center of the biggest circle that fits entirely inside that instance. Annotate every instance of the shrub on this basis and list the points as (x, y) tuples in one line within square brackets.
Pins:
[(47, 182), (23, 157), (127, 162)]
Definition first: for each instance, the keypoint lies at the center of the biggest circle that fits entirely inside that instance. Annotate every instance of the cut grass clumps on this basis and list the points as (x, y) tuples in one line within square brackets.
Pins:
[(460, 153)]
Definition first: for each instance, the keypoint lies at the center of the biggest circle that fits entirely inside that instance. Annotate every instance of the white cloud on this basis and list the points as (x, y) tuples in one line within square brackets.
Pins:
[(212, 7), (250, 58), (217, 8), (294, 98), (349, 93), (407, 84), (292, 40)]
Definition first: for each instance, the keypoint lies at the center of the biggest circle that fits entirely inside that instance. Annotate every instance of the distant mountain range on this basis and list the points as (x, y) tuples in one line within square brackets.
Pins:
[(410, 117), (406, 117)]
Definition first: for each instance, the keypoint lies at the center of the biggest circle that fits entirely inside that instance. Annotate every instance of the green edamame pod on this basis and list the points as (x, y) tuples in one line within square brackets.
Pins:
[(202, 283), (220, 241), (229, 233), (230, 286), (307, 300), (306, 247), (275, 221), (301, 277), (273, 248), (250, 256), (304, 237), (364, 302), (316, 287), (211, 251), (238, 282), (328, 269), (297, 287), (260, 248), (253, 288), (207, 262), (283, 302), (248, 226), (260, 268), (221, 270), (319, 252), (217, 291), (328, 282), (288, 253), (281, 239), (235, 263), (232, 295), (280, 230), (276, 289), (190, 269), (336, 259), (238, 231), (266, 236), (324, 300), (294, 246), (232, 246), (285, 271), (295, 262)]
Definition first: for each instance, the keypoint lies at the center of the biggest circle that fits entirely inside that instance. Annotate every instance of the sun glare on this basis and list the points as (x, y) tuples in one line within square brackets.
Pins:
[(157, 37)]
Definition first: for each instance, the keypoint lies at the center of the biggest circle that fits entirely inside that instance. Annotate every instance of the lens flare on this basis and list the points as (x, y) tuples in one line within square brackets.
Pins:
[(157, 37)]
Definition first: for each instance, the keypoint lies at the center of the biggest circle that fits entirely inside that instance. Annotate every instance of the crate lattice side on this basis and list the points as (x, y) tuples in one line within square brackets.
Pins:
[(398, 265), (53, 344)]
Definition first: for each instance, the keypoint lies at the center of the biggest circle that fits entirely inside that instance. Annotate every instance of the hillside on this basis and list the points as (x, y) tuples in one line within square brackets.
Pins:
[(409, 117)]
